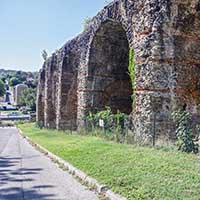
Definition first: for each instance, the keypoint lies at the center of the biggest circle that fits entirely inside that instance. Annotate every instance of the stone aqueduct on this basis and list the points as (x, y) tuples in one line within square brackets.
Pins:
[(91, 71)]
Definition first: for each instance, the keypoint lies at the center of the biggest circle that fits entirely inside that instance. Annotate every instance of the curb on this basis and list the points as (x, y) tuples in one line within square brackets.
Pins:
[(91, 183)]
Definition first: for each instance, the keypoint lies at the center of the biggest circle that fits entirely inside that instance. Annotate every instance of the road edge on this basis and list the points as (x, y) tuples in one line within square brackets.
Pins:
[(91, 183)]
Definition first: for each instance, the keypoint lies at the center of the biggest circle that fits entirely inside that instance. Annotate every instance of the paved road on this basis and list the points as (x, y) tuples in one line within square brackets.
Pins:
[(26, 174)]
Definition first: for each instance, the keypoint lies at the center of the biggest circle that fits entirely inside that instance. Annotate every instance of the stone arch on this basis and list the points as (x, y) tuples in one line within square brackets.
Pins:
[(67, 105), (108, 82)]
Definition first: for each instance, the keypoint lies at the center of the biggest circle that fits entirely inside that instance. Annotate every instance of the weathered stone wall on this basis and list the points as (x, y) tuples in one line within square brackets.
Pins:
[(186, 30), (40, 97), (153, 47), (50, 92), (91, 71)]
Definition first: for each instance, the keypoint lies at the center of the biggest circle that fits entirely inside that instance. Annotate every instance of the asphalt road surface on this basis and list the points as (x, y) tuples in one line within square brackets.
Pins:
[(26, 174)]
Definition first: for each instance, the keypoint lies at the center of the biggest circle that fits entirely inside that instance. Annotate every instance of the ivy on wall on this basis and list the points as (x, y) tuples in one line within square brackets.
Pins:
[(131, 69)]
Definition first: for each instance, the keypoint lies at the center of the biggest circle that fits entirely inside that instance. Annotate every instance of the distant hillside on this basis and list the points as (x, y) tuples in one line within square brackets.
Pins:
[(4, 72), (14, 77)]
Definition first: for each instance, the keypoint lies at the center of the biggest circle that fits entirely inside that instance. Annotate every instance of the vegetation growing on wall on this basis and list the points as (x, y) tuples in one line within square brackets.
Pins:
[(131, 69), (87, 23), (44, 55), (186, 140)]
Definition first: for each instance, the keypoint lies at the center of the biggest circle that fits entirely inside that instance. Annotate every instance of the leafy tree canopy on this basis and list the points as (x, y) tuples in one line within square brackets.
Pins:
[(17, 77), (28, 98), (14, 81), (2, 88)]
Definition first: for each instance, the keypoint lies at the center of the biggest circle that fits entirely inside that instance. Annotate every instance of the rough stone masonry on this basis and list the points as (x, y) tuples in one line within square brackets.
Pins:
[(91, 71)]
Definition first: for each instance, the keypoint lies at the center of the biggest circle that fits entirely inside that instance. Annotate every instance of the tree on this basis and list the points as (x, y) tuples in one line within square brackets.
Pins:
[(3, 79), (2, 88), (14, 81), (44, 55), (14, 78), (21, 76), (28, 98)]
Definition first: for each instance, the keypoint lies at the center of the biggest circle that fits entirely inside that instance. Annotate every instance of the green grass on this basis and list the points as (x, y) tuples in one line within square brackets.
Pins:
[(139, 173)]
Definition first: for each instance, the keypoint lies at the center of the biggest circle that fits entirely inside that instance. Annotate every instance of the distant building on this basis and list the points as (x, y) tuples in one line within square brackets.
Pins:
[(2, 100), (30, 80), (17, 92), (7, 97)]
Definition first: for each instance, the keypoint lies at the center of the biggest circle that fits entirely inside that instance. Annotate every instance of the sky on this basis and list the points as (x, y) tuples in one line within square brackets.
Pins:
[(29, 26)]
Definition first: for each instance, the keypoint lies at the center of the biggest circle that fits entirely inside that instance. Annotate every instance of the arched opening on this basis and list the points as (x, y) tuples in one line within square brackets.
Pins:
[(68, 94), (108, 81)]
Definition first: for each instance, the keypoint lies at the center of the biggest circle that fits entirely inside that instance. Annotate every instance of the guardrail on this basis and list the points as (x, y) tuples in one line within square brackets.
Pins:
[(15, 118)]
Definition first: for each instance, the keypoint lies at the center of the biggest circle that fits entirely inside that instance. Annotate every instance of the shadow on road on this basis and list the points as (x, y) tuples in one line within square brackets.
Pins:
[(13, 177), (16, 193)]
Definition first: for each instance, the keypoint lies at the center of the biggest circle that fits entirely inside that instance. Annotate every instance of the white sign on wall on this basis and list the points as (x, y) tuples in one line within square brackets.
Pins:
[(101, 123)]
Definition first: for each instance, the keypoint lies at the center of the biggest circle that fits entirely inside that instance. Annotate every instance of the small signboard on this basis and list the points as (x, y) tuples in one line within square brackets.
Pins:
[(101, 123)]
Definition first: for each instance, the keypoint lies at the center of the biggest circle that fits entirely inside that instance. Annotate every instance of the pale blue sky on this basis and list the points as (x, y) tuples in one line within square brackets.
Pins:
[(28, 26)]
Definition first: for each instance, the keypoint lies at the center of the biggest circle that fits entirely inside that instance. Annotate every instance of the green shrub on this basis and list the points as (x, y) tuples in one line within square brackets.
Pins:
[(105, 115), (113, 125), (186, 139), (39, 125)]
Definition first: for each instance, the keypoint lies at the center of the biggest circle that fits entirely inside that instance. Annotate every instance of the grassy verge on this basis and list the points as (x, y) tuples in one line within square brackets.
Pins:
[(137, 173)]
